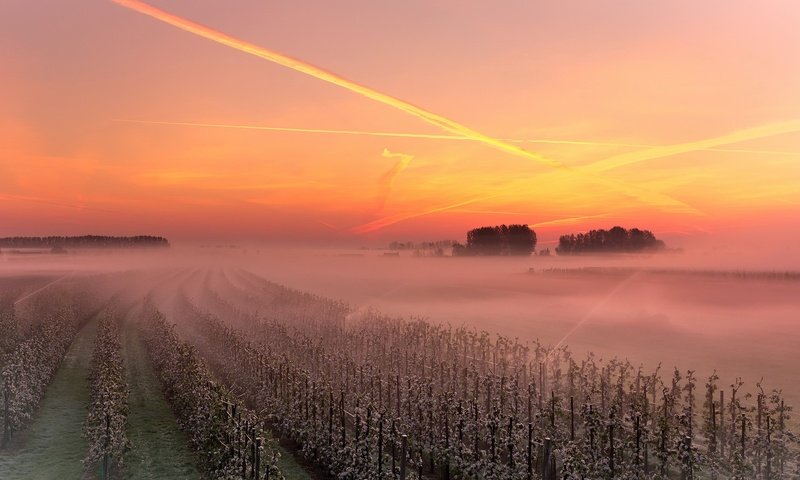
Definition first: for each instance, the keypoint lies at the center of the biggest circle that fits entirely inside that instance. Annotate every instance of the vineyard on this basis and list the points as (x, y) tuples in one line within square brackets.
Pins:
[(105, 424), (258, 378)]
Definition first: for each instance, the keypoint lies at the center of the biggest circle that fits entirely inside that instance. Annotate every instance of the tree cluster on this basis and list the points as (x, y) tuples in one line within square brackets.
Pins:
[(437, 245), (84, 241), (498, 240), (615, 240)]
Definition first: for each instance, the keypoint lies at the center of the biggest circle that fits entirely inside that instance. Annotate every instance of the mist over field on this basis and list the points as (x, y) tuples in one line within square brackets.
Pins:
[(690, 310), (738, 326), (416, 240), (585, 329)]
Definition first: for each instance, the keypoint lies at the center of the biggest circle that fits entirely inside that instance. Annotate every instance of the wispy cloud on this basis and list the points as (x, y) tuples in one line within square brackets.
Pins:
[(568, 220), (625, 159), (391, 220), (46, 201), (434, 136), (446, 124), (487, 212), (365, 133), (329, 226), (386, 180)]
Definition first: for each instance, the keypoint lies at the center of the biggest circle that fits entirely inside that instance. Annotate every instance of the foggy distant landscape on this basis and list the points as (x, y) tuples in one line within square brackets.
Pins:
[(416, 240), (654, 312)]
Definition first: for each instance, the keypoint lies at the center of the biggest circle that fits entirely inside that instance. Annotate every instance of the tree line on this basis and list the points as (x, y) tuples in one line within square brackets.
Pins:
[(498, 240), (421, 245), (615, 240), (84, 241)]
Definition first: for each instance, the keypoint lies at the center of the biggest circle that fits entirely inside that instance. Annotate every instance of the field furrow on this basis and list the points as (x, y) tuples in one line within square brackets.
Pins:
[(159, 449), (52, 447)]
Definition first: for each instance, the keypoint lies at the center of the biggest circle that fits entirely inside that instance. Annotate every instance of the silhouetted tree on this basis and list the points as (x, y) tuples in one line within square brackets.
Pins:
[(432, 246), (521, 240), (499, 240), (459, 250), (58, 243), (617, 239), (485, 241)]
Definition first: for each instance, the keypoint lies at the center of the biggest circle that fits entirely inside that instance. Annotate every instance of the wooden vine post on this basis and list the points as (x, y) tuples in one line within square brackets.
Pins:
[(403, 455), (744, 426), (380, 445), (7, 412), (611, 446), (105, 452), (572, 418)]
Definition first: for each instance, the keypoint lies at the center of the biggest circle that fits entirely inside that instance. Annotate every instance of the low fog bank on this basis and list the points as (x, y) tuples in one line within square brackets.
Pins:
[(692, 319), (744, 327)]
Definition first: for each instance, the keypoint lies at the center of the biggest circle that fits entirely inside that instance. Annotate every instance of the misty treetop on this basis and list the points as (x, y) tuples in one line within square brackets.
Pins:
[(498, 240), (438, 244), (615, 240), (84, 241)]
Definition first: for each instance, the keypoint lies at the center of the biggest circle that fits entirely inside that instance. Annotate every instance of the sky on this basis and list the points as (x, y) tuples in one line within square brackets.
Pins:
[(362, 122)]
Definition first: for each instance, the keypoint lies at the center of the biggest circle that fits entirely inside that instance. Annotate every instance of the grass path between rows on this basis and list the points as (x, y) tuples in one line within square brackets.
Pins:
[(159, 450), (52, 447), (293, 467), (290, 467)]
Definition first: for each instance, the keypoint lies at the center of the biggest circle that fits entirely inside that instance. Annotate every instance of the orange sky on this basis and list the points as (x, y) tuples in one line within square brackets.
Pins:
[(681, 117)]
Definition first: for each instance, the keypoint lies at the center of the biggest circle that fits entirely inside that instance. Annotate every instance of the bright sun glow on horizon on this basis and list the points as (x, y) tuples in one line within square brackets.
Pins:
[(560, 117)]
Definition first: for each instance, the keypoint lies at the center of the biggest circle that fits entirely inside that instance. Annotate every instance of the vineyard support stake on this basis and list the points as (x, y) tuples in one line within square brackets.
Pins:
[(6, 415), (403, 447)]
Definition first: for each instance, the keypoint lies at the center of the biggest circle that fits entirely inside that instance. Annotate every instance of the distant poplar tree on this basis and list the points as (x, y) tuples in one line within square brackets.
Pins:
[(498, 240), (616, 239)]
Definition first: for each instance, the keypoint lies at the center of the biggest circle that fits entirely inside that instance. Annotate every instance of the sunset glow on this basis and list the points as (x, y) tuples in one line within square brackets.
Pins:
[(408, 240), (639, 127)]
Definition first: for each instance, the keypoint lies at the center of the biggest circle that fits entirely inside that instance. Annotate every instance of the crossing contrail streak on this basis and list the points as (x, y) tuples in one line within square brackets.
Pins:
[(41, 289), (434, 136), (51, 202), (303, 67), (767, 130), (652, 153), (387, 179), (391, 220), (654, 198), (567, 221), (594, 309), (329, 226)]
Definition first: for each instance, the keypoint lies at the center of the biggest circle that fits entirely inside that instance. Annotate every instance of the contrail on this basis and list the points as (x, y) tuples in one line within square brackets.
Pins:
[(489, 212), (316, 72), (328, 226), (705, 144), (51, 202), (669, 150), (649, 152), (303, 130), (386, 180), (591, 312), (366, 305), (568, 220), (434, 136), (44, 287), (425, 115), (385, 222)]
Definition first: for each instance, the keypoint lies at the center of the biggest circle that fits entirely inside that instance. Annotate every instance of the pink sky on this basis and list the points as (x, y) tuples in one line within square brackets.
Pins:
[(609, 72)]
